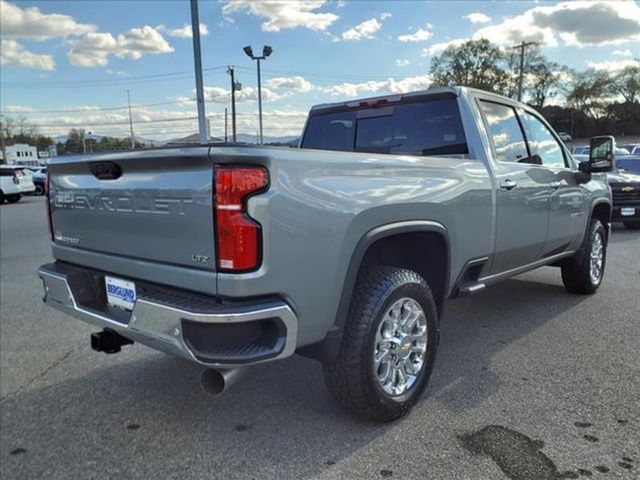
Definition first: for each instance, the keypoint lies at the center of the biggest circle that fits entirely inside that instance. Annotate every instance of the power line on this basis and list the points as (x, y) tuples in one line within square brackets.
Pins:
[(110, 81), (99, 109)]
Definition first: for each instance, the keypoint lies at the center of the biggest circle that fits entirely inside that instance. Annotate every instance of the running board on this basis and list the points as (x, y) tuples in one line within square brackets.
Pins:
[(470, 288)]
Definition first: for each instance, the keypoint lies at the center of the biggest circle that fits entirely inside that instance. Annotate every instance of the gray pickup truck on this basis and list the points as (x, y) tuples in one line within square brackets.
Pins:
[(343, 250)]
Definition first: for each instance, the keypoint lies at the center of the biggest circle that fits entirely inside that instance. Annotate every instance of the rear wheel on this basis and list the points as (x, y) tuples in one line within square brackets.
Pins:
[(39, 189), (583, 273), (13, 198), (632, 226), (389, 345), (1, 198)]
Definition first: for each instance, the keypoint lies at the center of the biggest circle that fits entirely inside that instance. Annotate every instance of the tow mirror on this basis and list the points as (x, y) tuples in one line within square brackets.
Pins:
[(601, 154)]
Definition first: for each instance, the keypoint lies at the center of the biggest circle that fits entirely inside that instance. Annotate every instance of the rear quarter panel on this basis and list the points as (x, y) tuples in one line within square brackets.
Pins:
[(320, 204)]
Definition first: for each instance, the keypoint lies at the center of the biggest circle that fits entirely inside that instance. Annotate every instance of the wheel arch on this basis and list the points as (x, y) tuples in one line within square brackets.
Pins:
[(377, 247)]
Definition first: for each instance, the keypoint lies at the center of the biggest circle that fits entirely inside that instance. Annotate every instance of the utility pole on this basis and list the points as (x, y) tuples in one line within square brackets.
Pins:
[(197, 58), (133, 139), (522, 46), (84, 143), (4, 148), (225, 124), (230, 71)]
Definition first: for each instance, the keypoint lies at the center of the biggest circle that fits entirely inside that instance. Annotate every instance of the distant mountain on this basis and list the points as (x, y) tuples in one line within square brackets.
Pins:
[(93, 136)]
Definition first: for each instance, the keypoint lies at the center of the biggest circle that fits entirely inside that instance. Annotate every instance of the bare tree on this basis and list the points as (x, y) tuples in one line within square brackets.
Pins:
[(627, 83)]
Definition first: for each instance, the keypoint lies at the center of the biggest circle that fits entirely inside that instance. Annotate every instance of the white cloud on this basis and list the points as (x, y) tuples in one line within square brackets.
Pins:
[(419, 35), (438, 48), (16, 55), (364, 30), (93, 49), (622, 53), (576, 23), (18, 108), (391, 85), (183, 32), (401, 62), (31, 23), (477, 17), (284, 14), (613, 65), (295, 84), (247, 94)]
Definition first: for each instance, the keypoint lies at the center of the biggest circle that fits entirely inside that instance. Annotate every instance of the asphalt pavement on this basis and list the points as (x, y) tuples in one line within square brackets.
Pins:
[(531, 383)]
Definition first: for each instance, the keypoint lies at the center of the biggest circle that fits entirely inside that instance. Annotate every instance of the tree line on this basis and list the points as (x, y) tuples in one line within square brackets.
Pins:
[(582, 104)]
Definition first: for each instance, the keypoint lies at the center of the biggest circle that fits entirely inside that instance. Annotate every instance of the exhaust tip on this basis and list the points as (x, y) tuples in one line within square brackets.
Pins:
[(212, 381), (216, 382)]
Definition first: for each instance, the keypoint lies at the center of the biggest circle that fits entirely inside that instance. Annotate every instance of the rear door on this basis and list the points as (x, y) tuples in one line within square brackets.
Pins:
[(523, 190), (154, 206)]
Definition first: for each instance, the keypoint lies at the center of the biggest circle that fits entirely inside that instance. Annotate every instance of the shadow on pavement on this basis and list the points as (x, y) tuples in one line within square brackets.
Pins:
[(138, 417)]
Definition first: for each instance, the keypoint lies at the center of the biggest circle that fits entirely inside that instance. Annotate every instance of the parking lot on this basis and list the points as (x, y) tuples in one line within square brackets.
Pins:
[(530, 383)]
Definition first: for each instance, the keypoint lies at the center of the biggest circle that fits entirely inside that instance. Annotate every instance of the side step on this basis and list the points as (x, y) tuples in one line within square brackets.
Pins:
[(468, 283), (469, 288)]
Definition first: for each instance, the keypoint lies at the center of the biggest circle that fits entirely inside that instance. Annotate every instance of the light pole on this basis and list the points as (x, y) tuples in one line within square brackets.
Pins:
[(133, 139), (266, 51), (197, 59)]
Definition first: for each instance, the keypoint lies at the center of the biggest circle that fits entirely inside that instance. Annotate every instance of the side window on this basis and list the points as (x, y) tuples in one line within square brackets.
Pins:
[(505, 130), (542, 142)]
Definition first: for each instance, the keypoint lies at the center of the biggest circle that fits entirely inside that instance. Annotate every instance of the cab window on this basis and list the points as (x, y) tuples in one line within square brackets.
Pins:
[(542, 142), (507, 136)]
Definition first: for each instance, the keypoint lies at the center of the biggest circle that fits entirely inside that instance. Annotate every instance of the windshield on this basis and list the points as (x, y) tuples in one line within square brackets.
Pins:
[(428, 127)]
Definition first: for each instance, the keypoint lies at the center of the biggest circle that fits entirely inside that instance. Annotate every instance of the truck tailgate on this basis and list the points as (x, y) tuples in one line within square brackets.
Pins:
[(154, 206)]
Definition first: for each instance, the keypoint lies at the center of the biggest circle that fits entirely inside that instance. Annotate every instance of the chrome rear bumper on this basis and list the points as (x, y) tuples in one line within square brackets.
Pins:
[(179, 323)]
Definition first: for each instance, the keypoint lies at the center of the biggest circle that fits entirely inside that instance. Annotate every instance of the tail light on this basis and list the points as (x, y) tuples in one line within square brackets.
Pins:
[(47, 196), (239, 242)]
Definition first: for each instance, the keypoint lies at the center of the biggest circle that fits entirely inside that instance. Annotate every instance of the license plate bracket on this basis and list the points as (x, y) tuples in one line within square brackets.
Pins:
[(120, 293), (627, 211)]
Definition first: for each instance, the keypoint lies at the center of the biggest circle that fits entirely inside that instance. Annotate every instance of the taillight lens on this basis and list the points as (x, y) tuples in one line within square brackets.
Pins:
[(239, 242), (47, 196)]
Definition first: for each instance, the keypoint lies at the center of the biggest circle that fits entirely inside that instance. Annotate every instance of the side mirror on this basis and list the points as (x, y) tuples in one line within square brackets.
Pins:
[(601, 154)]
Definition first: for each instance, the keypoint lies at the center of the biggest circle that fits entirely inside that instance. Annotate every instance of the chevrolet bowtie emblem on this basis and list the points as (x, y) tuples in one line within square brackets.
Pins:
[(627, 189)]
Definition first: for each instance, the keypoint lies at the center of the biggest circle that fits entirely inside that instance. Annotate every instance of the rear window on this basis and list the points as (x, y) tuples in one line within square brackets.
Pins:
[(429, 127)]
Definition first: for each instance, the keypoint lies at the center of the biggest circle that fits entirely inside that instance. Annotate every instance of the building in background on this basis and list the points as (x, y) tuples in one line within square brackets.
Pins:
[(22, 154)]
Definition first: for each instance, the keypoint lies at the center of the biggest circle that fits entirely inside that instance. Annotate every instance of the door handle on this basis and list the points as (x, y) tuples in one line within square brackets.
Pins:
[(508, 184), (558, 184)]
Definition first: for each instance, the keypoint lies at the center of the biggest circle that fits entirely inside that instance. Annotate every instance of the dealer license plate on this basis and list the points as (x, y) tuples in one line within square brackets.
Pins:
[(120, 293), (627, 212)]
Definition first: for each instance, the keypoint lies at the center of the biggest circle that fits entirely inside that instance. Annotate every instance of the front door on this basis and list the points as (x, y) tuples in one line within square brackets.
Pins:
[(568, 202), (523, 191)]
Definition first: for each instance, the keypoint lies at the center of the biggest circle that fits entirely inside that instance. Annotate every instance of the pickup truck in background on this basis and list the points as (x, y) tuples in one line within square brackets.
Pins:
[(344, 250)]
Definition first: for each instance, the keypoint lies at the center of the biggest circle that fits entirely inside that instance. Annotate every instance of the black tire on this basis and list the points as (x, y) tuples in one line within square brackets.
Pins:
[(1, 197), (350, 378), (39, 190), (631, 226), (13, 198), (576, 271)]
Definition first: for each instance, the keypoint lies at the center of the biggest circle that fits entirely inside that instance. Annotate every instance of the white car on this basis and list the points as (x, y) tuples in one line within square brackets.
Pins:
[(14, 182)]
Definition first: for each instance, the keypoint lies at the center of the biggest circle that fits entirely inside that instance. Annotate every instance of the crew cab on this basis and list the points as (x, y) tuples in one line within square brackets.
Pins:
[(343, 250), (14, 182)]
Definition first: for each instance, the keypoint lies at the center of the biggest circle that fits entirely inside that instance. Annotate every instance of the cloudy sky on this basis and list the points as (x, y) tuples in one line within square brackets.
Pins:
[(70, 63)]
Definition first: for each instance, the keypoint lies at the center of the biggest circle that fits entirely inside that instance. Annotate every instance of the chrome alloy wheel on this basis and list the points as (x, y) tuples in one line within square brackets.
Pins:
[(596, 258), (401, 346)]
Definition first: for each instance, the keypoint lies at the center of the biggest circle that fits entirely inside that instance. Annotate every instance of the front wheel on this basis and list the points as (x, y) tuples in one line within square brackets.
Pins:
[(13, 198), (39, 189), (389, 345), (631, 226), (583, 273)]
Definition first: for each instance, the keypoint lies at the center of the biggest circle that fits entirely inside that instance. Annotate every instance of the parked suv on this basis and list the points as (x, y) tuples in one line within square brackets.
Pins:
[(14, 182)]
